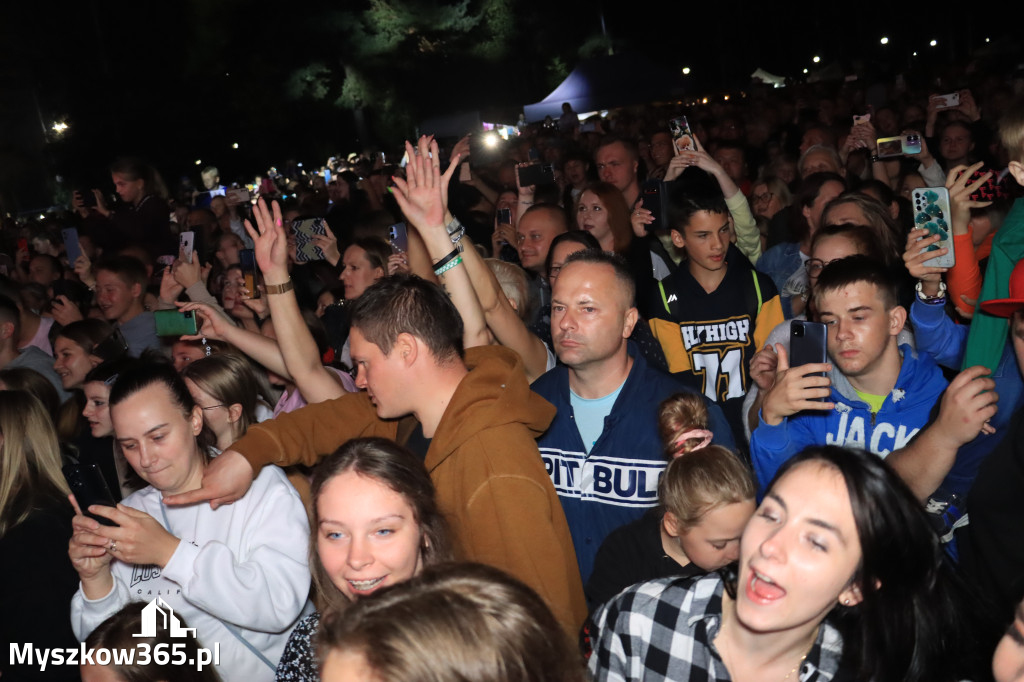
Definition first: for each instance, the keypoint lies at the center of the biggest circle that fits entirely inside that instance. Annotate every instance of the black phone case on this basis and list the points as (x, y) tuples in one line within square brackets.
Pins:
[(808, 343), (89, 488)]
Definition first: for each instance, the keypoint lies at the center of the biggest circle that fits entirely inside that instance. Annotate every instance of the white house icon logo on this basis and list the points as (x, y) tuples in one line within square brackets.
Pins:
[(158, 609)]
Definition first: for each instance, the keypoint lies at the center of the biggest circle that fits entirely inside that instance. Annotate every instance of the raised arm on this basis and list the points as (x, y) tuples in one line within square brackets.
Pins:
[(421, 197), (296, 344)]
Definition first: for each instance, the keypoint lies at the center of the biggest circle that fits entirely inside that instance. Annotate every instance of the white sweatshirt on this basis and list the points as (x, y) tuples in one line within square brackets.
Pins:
[(243, 564)]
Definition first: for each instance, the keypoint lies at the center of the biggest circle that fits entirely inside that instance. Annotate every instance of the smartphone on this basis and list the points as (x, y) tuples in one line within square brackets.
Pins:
[(327, 175), (504, 216), (240, 195), (465, 172), (912, 144), (682, 136), (175, 322), (89, 488), (111, 348), (931, 211), (859, 119), (62, 287), (655, 199), (88, 198), (71, 246), (398, 237), (950, 100), (306, 229), (535, 174), (247, 259), (808, 343), (187, 242)]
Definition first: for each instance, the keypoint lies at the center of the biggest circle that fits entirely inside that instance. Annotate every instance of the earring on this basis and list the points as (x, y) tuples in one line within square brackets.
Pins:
[(846, 602)]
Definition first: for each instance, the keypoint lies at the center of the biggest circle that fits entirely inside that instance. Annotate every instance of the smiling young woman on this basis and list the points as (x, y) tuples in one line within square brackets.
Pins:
[(839, 574)]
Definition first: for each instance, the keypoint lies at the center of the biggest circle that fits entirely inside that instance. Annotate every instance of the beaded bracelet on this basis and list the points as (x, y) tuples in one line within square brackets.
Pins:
[(448, 266)]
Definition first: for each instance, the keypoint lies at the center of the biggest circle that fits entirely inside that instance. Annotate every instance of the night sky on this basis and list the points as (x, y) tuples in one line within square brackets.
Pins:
[(185, 80)]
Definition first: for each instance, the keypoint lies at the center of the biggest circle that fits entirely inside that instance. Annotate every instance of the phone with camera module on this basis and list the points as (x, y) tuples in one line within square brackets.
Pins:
[(808, 343), (931, 211), (187, 242), (239, 195), (535, 174), (111, 348), (655, 197), (89, 488), (306, 230), (247, 259), (682, 136), (175, 322), (860, 119), (950, 100), (398, 238)]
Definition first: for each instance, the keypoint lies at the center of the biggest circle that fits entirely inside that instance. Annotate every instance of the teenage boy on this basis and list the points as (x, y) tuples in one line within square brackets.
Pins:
[(712, 315), (884, 394), (120, 290)]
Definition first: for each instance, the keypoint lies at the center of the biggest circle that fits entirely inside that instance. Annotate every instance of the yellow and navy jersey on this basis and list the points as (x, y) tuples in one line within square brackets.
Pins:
[(709, 338)]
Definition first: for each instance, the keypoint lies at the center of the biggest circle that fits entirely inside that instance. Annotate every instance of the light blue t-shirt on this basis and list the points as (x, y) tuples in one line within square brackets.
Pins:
[(590, 414)]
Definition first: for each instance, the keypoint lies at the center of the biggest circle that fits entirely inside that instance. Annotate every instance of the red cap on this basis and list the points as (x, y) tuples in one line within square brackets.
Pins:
[(1006, 307)]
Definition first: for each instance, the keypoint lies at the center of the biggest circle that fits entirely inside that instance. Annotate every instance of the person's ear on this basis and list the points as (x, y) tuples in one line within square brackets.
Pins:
[(136, 290), (234, 412), (671, 524), (6, 330), (512, 304), (677, 239), (851, 596), (631, 318), (406, 347), (1017, 171), (806, 210), (897, 319), (196, 420)]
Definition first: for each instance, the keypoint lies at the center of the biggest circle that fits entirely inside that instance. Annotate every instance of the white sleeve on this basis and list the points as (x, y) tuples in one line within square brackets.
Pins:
[(262, 583), (87, 614), (933, 176)]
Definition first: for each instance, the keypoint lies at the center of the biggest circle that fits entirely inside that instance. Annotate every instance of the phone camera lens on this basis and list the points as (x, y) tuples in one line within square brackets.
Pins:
[(798, 330)]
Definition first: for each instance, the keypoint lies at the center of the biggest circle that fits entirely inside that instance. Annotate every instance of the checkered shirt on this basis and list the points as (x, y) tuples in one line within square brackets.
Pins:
[(663, 630)]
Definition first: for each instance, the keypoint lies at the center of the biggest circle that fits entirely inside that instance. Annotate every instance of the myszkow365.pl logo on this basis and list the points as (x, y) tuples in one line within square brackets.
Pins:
[(156, 614)]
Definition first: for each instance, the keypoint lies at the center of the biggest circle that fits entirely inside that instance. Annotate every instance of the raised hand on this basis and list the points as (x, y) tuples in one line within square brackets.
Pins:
[(270, 243), (916, 253), (960, 190), (422, 194)]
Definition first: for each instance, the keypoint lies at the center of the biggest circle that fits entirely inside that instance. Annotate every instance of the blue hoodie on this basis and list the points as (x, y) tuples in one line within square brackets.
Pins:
[(906, 411), (618, 480)]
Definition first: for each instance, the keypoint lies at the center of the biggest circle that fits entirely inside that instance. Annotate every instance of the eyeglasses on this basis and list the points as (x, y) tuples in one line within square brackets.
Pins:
[(758, 198), (815, 265)]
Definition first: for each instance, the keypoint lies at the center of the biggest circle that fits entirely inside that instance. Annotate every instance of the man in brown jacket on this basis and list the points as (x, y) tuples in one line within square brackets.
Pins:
[(475, 421)]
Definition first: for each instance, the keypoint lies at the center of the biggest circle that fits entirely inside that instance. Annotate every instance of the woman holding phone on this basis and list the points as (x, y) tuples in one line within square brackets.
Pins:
[(237, 573)]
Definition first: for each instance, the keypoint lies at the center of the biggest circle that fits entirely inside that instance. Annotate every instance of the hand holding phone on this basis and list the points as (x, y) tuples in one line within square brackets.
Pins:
[(932, 212), (682, 136), (796, 388), (89, 488)]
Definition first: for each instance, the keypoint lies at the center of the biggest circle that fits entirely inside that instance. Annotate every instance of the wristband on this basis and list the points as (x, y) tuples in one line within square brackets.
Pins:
[(448, 266), (279, 288), (453, 226), (935, 300), (452, 255)]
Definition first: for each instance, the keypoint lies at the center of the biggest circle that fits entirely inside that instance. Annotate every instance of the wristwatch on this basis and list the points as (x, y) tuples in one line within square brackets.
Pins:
[(934, 300), (279, 288)]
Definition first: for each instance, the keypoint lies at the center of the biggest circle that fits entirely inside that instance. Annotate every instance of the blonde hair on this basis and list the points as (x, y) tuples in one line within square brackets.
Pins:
[(512, 280), (1011, 130), (697, 480), (30, 462)]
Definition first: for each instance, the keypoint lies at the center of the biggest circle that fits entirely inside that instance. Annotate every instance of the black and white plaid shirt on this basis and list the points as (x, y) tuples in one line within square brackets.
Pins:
[(664, 630)]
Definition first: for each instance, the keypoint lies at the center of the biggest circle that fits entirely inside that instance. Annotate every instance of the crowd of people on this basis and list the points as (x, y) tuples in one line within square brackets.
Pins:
[(599, 402)]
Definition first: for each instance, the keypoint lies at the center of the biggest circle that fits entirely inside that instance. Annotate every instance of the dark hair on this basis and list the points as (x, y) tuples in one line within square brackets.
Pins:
[(55, 265), (914, 622), (697, 192), (9, 312), (137, 169), (128, 268), (455, 622), (616, 262), (629, 144), (411, 305), (87, 333), (395, 467), (118, 633), (584, 239), (853, 269), (810, 188), (377, 251), (145, 374)]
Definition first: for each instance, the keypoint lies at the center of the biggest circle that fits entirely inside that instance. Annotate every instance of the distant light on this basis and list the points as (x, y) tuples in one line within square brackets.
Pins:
[(686, 70), (727, 98), (805, 70), (199, 162), (59, 127), (915, 54), (299, 164), (934, 43), (704, 101), (884, 40), (42, 217), (986, 40), (491, 140), (234, 146), (816, 59)]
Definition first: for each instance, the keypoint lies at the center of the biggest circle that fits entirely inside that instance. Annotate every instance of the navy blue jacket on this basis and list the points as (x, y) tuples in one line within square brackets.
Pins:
[(618, 481)]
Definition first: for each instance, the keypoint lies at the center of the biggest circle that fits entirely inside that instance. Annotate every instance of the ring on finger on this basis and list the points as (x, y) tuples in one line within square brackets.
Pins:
[(113, 546)]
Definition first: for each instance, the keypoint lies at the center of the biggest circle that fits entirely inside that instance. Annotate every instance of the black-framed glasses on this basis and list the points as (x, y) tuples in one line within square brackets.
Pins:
[(758, 198)]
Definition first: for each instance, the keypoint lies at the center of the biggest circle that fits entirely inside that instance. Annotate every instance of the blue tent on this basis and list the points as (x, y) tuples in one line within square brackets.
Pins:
[(606, 82)]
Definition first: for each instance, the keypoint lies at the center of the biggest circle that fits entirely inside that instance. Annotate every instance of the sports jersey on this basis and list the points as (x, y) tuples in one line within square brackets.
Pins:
[(709, 338)]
